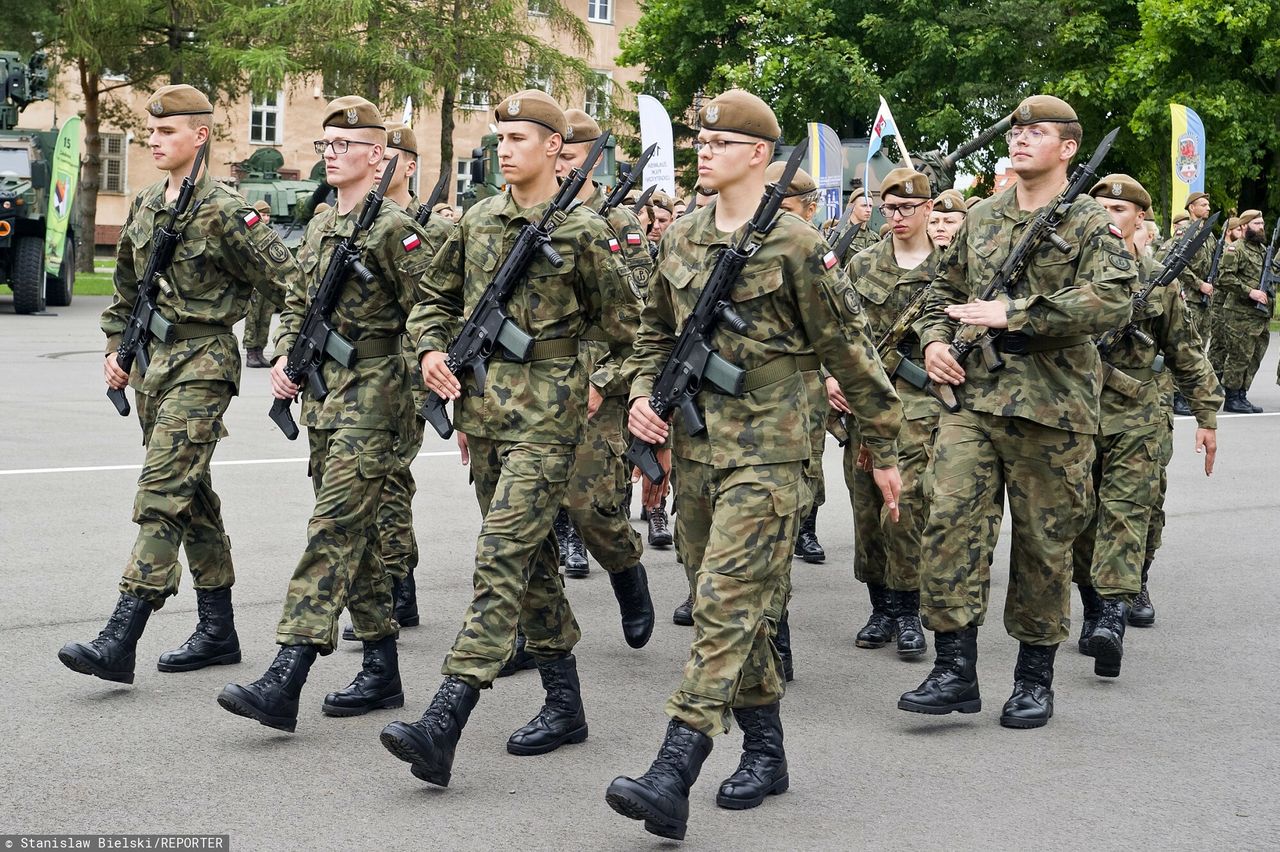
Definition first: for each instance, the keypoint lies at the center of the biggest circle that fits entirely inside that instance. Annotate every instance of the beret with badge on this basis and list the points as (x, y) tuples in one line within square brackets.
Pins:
[(801, 184), (352, 111), (582, 127), (1123, 188), (1038, 108), (402, 138), (178, 100), (739, 111), (537, 106), (905, 183), (1194, 197), (950, 201), (661, 199)]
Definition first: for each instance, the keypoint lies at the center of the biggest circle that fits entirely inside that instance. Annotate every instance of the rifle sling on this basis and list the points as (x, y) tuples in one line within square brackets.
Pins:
[(777, 370), (1017, 343)]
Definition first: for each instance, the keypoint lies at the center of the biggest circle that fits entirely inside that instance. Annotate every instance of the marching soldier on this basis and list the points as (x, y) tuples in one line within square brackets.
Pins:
[(257, 323), (355, 437), (741, 484), (226, 252), (1024, 436), (948, 215), (860, 213), (1109, 557), (1246, 329)]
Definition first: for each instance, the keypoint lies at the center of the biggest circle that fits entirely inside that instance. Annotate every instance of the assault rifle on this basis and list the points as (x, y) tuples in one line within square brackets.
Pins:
[(1042, 227), (318, 338), (627, 183), (896, 361), (145, 322), (424, 212), (490, 325), (1212, 278), (1267, 283), (694, 362)]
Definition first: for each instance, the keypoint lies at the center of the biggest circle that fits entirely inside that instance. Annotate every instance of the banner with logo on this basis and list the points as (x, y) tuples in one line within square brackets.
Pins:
[(655, 128), (62, 194), (1188, 155), (825, 162)]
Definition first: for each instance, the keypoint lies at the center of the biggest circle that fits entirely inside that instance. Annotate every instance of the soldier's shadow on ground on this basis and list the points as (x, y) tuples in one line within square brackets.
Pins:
[(928, 728)]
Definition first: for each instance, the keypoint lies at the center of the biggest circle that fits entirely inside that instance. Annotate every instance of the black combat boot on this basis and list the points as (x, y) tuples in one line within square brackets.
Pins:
[(405, 594), (429, 743), (376, 685), (273, 698), (880, 627), (762, 771), (1244, 401), (1031, 704), (1180, 406), (520, 659), (1107, 642), (952, 686), (659, 532), (255, 358), (1092, 610), (660, 797), (573, 553), (783, 643), (1236, 403), (1143, 612), (562, 720), (631, 588), (906, 616), (807, 546), (683, 614), (214, 643), (111, 655)]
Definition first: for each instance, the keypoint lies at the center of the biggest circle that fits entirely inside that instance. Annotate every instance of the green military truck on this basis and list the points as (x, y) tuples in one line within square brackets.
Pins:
[(39, 170), (290, 200)]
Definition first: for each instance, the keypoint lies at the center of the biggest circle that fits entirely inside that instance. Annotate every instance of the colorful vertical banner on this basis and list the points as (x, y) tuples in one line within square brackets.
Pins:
[(655, 127), (1187, 155), (62, 194), (825, 162), (883, 126)]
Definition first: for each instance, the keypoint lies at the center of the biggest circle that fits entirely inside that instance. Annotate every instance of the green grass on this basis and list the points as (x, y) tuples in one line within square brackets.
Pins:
[(94, 284)]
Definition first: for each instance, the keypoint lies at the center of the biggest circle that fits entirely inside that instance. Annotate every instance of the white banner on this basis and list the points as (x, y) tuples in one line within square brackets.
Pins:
[(655, 128)]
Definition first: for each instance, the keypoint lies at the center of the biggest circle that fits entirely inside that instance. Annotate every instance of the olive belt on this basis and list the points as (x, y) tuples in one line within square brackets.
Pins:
[(777, 370), (594, 334), (378, 347), (1018, 343), (193, 330), (545, 350)]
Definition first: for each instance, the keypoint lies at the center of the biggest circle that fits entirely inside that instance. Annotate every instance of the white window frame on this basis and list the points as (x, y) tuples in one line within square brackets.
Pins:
[(599, 111), (593, 11), (535, 9), (264, 109), (534, 78), (468, 86), (120, 157), (461, 179)]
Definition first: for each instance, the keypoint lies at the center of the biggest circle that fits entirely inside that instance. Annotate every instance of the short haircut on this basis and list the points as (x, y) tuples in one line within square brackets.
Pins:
[(201, 119), (1072, 130)]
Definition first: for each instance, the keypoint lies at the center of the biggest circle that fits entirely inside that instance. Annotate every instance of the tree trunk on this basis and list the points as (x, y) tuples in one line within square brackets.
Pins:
[(448, 102), (91, 169)]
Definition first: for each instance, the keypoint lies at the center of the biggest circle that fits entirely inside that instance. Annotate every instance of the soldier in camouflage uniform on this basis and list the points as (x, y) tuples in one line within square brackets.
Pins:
[(740, 484), (1194, 283), (860, 213), (257, 323), (1025, 433), (662, 208), (1134, 431), (521, 431), (948, 215), (888, 276), (225, 253), (355, 435), (1246, 313)]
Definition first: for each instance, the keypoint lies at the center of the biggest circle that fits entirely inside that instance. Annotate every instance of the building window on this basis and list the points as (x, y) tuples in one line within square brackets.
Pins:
[(599, 91), (461, 180), (471, 95), (535, 8), (537, 77), (600, 11), (115, 161), (265, 120)]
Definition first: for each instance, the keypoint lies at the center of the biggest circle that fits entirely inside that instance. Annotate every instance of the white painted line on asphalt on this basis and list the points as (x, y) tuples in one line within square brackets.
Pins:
[(232, 463)]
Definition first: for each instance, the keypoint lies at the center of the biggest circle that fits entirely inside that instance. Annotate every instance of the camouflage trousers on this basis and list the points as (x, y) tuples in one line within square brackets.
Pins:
[(176, 505), (1109, 552), (520, 487), (341, 566), (885, 553), (257, 323), (1201, 317), (1245, 339), (598, 486), (819, 408), (1217, 338), (1155, 526), (738, 526), (396, 540), (978, 460)]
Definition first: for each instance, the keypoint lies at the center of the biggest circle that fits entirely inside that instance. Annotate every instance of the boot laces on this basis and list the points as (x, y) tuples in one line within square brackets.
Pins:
[(115, 626), (672, 752), (278, 672), (1143, 600), (438, 711), (658, 521)]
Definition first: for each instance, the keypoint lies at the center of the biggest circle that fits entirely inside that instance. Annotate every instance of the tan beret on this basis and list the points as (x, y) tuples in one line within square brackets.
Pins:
[(442, 206), (1039, 108), (1124, 188), (1249, 215), (352, 111), (905, 183), (661, 199), (1181, 216), (739, 111), (537, 106), (971, 201), (582, 127), (1194, 197), (801, 184), (402, 138), (950, 201), (262, 206), (178, 100), (885, 228), (321, 207)]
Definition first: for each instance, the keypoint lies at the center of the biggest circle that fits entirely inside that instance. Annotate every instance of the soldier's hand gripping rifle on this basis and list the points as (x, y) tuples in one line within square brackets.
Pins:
[(627, 183), (317, 338), (1043, 227), (424, 212), (1267, 283), (145, 322), (1215, 265), (490, 326), (895, 356), (1176, 261), (693, 361)]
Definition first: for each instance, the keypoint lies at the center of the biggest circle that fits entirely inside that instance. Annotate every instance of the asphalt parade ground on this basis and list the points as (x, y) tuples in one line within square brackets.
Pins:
[(1181, 751)]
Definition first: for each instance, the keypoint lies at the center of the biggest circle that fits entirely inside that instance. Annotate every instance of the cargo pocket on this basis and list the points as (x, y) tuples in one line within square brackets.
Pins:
[(787, 500), (374, 464), (205, 430)]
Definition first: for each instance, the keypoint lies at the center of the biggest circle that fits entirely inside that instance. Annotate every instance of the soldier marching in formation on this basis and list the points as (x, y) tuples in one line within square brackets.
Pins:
[(1066, 420)]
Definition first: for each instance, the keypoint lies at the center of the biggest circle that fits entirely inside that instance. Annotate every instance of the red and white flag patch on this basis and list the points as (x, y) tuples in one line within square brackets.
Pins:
[(251, 218), (1115, 231), (634, 239), (411, 242), (829, 260), (613, 246)]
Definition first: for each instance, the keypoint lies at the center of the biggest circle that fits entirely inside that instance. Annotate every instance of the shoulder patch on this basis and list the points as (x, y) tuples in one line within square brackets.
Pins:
[(634, 238), (1119, 261), (411, 242), (829, 260), (614, 247), (1115, 231), (277, 251), (251, 219), (852, 303)]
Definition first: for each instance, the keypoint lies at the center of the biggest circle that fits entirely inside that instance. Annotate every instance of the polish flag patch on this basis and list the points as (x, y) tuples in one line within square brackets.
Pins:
[(1115, 231), (613, 246), (411, 242), (634, 239), (829, 260), (251, 218)]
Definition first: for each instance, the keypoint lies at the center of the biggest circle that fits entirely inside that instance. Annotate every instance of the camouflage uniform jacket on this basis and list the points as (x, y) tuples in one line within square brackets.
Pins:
[(1081, 292), (795, 303), (434, 235), (632, 268), (542, 401), (886, 290), (1242, 272), (371, 394), (1197, 270), (866, 238), (225, 252), (1133, 398)]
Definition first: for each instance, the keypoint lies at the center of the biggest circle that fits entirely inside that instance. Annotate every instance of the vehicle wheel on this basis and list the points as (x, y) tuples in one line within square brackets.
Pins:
[(61, 287), (28, 275)]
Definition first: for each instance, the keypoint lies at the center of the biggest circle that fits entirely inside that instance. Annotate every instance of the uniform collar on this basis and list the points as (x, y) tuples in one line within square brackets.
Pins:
[(155, 199)]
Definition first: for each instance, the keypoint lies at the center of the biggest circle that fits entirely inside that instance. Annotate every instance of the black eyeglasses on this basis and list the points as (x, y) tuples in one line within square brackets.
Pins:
[(718, 146), (906, 211), (339, 146)]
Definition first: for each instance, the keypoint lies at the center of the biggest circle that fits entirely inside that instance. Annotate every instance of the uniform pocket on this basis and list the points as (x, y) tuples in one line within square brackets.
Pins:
[(205, 430), (374, 465)]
